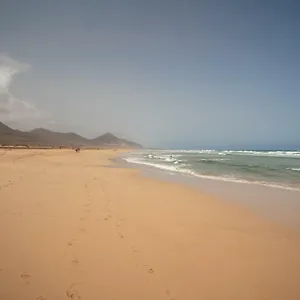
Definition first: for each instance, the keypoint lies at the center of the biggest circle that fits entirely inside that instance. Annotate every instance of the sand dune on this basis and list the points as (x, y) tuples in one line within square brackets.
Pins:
[(72, 227)]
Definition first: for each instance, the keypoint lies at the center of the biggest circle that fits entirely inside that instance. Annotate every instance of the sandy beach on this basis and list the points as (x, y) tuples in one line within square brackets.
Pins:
[(75, 226)]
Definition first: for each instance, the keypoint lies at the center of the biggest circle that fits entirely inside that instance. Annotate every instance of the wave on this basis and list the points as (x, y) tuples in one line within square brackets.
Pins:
[(156, 165), (214, 159), (181, 169), (265, 153), (294, 169), (279, 153), (165, 158)]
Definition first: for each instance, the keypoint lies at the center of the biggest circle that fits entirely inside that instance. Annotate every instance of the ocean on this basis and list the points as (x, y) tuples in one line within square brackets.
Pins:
[(276, 169)]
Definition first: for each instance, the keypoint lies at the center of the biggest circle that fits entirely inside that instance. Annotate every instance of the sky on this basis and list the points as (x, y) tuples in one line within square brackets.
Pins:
[(180, 74)]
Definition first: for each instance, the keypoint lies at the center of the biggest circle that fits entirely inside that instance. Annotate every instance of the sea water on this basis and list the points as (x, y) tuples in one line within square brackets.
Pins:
[(277, 169)]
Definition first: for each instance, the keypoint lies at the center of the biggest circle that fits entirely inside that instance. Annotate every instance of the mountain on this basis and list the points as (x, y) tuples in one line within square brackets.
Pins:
[(9, 136), (111, 140), (59, 138), (4, 129), (44, 137)]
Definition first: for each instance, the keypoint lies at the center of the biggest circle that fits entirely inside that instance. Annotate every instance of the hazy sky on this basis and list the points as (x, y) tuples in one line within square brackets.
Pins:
[(164, 73)]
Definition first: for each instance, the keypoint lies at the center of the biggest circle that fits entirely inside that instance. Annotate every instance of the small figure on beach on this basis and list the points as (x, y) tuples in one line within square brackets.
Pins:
[(77, 150)]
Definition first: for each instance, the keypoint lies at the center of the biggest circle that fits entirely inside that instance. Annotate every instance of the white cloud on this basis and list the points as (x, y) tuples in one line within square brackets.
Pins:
[(16, 111)]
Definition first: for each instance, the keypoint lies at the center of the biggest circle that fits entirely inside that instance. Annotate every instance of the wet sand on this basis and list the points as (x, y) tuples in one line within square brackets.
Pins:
[(73, 227), (275, 204)]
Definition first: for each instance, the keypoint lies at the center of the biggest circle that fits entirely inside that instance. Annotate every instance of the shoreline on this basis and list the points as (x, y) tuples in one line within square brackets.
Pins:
[(274, 204), (81, 227)]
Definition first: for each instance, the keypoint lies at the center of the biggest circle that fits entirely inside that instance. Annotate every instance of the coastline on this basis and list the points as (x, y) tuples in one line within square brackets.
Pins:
[(83, 228), (271, 200), (275, 204)]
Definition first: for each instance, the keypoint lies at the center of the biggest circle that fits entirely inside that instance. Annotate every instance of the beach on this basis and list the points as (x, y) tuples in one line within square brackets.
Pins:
[(78, 226)]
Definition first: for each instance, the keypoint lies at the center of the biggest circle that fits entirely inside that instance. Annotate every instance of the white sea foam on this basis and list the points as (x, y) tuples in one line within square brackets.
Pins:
[(214, 159), (291, 154), (166, 158), (152, 164), (294, 169), (170, 159)]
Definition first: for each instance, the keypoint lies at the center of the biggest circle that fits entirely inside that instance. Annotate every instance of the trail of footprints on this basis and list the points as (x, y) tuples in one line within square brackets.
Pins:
[(72, 292)]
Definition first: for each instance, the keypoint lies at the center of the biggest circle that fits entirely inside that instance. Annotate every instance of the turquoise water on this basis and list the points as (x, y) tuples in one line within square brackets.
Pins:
[(278, 169)]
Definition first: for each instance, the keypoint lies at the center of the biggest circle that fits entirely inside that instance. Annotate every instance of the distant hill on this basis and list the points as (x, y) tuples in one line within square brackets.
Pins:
[(110, 139), (44, 137), (4, 129), (9, 136), (59, 138)]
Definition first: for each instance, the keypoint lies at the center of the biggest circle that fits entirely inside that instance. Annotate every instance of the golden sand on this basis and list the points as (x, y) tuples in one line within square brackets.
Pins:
[(73, 228)]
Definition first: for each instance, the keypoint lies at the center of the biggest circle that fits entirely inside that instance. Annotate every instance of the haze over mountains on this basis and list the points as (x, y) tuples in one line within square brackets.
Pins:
[(44, 137)]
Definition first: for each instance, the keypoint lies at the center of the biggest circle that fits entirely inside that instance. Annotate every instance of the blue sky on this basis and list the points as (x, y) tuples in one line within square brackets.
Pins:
[(165, 73)]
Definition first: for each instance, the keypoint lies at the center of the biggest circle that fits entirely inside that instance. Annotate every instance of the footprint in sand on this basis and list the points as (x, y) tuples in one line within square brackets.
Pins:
[(150, 271), (168, 293), (121, 236), (25, 276), (71, 242), (75, 262), (108, 217), (135, 250), (72, 293), (41, 298)]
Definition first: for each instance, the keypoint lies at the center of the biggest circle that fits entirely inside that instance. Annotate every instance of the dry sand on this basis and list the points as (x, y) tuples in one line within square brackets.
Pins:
[(73, 228)]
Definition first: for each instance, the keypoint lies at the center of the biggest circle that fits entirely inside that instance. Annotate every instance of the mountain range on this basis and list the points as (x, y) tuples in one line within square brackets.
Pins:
[(44, 137)]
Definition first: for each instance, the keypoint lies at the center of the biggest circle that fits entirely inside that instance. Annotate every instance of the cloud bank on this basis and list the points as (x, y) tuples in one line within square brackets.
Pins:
[(16, 111)]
